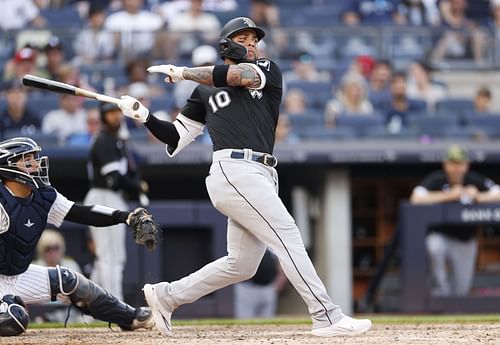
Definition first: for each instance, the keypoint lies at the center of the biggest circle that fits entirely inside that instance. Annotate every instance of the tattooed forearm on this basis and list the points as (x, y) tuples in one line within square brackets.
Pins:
[(202, 75), (243, 75)]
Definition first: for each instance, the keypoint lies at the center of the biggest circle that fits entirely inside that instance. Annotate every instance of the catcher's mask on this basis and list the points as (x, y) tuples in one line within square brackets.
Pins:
[(20, 160), (232, 50)]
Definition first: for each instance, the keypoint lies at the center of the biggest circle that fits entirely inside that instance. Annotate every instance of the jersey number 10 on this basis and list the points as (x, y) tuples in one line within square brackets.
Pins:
[(220, 100)]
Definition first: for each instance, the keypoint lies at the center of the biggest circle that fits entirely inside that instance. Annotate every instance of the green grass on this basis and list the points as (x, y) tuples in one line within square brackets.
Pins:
[(377, 319)]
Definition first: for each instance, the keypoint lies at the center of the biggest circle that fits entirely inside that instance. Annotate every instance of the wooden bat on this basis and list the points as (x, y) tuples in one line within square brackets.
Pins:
[(57, 86)]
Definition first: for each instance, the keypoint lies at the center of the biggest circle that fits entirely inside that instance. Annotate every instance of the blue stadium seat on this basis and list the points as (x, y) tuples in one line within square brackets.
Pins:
[(302, 122), (362, 124), (43, 103), (66, 17), (325, 134), (163, 102), (490, 124), (317, 93), (434, 126), (459, 106)]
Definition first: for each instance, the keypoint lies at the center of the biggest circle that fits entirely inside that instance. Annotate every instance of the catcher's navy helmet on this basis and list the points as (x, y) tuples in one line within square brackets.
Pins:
[(232, 50), (14, 150)]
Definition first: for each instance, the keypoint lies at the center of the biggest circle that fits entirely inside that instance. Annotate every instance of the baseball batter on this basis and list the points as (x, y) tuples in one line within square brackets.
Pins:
[(27, 204), (238, 102)]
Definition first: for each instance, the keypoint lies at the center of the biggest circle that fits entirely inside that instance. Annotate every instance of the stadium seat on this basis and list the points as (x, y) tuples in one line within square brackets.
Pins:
[(459, 106), (325, 134), (303, 121), (43, 103), (489, 124), (434, 126), (66, 17), (317, 93), (362, 124)]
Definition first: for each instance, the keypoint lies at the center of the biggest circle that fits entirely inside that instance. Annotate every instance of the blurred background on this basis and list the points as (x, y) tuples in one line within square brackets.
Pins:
[(375, 91)]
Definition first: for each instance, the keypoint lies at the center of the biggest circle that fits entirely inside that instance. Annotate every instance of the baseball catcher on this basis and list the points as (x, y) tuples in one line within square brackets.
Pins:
[(27, 204)]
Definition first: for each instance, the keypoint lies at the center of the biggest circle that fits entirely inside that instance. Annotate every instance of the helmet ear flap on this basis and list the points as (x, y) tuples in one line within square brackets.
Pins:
[(232, 50)]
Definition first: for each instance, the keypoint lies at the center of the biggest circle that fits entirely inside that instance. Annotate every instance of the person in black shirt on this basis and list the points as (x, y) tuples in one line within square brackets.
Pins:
[(113, 177), (238, 102), (452, 244)]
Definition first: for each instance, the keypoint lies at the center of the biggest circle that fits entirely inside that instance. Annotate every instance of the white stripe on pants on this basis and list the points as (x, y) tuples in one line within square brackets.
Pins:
[(110, 245), (246, 192)]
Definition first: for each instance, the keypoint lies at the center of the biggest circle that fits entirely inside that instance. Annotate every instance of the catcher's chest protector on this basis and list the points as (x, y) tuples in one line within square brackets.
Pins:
[(28, 219)]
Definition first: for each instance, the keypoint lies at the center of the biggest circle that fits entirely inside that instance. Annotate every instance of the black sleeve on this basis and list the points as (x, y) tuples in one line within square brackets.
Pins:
[(481, 182), (272, 72), (434, 181), (127, 183), (93, 215), (194, 108), (163, 130)]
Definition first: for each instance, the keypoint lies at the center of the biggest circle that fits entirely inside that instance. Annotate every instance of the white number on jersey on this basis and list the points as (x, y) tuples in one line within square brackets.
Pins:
[(220, 100)]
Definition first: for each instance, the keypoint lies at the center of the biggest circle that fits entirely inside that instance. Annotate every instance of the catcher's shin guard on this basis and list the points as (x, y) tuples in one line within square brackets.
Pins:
[(13, 317), (93, 300)]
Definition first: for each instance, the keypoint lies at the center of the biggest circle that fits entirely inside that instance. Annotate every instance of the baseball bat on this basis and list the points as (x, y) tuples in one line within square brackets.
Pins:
[(59, 87)]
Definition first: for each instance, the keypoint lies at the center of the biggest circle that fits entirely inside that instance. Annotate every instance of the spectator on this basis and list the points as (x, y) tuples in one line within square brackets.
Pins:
[(265, 13), (204, 55), (284, 133), (258, 296), (399, 107), (24, 62), (494, 25), (304, 69), (351, 98), (463, 38), (370, 12), (295, 102), (69, 119), (51, 250), (379, 83), (20, 14), (16, 115), (453, 244), (55, 58), (93, 125), (419, 13), (192, 27), (421, 86), (94, 43), (482, 101), (134, 28)]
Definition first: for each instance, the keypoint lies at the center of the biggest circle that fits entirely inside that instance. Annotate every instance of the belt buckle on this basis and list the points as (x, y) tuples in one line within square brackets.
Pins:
[(269, 160)]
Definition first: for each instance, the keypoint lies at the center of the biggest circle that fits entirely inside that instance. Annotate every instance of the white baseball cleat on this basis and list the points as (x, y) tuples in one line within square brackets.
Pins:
[(346, 326), (161, 315)]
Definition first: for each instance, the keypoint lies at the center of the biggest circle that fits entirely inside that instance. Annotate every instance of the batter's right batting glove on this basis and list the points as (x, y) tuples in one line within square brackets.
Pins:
[(131, 107), (144, 228)]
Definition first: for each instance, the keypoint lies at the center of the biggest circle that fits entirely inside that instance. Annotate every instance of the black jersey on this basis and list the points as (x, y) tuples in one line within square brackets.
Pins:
[(438, 181), (237, 117)]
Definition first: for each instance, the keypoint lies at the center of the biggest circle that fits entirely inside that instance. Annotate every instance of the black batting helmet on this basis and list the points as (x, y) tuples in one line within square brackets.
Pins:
[(15, 149), (104, 108), (232, 50)]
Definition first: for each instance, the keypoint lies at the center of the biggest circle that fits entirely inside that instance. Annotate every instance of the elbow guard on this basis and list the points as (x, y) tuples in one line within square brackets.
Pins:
[(188, 131)]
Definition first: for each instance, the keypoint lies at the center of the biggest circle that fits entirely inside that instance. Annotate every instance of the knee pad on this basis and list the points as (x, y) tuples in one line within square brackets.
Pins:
[(89, 297), (13, 317)]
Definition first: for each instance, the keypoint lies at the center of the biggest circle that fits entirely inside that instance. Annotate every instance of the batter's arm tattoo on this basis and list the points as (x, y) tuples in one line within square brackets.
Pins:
[(202, 75), (243, 75)]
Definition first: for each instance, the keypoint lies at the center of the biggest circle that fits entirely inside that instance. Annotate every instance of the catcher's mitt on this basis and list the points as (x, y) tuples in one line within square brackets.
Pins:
[(144, 228)]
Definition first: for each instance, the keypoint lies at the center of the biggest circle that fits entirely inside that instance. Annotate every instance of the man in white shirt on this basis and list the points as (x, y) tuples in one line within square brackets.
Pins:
[(69, 119), (18, 14), (136, 26)]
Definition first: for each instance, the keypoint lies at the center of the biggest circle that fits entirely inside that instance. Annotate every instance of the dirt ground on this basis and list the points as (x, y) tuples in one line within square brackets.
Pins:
[(429, 334)]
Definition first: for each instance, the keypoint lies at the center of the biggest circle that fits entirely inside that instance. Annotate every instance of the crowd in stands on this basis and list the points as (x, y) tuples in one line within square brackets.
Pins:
[(340, 81)]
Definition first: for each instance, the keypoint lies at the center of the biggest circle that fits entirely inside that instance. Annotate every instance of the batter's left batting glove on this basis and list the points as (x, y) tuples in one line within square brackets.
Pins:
[(174, 73), (133, 108)]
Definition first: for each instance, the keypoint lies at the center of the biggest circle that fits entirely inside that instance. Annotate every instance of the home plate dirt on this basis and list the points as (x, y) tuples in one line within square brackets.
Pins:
[(428, 334)]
